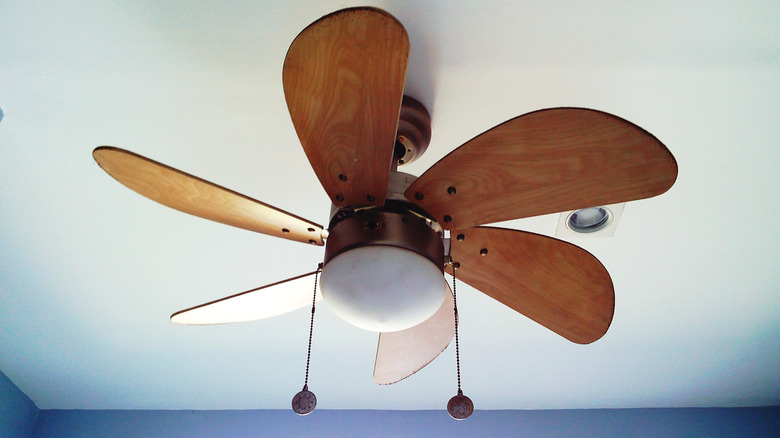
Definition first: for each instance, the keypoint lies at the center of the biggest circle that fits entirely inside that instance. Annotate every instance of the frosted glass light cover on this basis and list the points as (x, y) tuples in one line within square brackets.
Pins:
[(382, 288)]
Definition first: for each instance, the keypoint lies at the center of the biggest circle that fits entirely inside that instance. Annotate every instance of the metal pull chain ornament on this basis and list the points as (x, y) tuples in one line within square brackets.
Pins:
[(459, 407), (305, 401)]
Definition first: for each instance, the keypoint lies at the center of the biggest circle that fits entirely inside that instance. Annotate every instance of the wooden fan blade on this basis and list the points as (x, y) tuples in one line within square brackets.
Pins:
[(343, 80), (559, 285), (544, 162), (401, 354), (264, 302), (198, 197)]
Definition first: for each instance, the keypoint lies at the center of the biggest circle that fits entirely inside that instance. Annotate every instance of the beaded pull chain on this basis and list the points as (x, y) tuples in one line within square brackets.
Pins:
[(305, 401), (459, 407)]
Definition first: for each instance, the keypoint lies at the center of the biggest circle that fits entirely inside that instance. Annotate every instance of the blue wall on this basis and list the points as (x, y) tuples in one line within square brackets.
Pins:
[(19, 417), (753, 422), (17, 412)]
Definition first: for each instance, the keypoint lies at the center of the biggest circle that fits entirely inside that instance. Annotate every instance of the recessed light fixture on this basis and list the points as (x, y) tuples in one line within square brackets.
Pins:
[(588, 220), (599, 221)]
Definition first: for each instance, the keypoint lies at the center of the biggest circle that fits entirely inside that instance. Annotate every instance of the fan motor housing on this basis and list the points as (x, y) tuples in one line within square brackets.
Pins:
[(414, 131), (380, 226)]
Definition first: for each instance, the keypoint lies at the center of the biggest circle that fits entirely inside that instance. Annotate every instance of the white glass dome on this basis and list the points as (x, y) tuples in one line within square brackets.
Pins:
[(382, 288)]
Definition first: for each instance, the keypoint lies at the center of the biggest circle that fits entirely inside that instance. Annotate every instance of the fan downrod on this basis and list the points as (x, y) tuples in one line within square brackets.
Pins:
[(414, 131)]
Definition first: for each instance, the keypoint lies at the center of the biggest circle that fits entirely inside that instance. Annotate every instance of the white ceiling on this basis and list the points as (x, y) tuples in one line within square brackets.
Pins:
[(90, 271)]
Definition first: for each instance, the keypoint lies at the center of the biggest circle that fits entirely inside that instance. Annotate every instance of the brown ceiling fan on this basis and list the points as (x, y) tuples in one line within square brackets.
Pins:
[(386, 243)]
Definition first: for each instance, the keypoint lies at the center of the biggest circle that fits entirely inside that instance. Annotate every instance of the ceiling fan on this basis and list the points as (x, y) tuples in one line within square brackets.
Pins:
[(386, 243)]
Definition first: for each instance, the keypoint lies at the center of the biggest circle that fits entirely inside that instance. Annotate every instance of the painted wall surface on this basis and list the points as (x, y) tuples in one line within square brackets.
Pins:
[(694, 422), (17, 412)]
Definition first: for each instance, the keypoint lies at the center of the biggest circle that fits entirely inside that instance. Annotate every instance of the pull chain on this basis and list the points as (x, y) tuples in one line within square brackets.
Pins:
[(311, 326), (305, 401), (457, 341), (459, 407)]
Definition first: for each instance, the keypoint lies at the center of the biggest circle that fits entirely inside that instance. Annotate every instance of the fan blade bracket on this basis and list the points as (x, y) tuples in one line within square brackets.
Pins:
[(447, 243)]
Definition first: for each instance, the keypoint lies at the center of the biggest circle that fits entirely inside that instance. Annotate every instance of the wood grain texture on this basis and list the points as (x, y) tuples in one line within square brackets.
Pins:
[(545, 162), (198, 197), (559, 285), (401, 354), (264, 302), (343, 80)]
